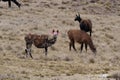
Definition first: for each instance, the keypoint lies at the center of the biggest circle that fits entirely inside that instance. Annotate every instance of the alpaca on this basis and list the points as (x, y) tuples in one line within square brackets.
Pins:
[(85, 25), (40, 41), (80, 37)]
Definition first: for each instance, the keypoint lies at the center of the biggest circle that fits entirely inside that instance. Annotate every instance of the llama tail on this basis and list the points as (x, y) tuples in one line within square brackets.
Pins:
[(92, 47)]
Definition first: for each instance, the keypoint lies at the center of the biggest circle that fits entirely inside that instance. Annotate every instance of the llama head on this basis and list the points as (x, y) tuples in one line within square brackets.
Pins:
[(55, 33), (78, 18)]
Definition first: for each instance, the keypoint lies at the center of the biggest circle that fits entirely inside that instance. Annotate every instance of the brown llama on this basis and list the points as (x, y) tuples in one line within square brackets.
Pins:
[(40, 41), (80, 37), (85, 24)]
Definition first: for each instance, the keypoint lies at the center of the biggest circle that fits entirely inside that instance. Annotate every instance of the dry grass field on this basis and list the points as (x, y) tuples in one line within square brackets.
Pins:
[(41, 17)]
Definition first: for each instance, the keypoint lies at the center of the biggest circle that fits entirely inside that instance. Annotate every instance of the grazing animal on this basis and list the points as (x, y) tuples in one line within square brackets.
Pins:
[(82, 38), (40, 41), (14, 1), (85, 25)]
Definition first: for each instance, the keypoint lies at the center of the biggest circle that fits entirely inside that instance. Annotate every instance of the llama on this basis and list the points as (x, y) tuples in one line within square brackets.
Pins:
[(80, 37), (40, 41), (85, 25)]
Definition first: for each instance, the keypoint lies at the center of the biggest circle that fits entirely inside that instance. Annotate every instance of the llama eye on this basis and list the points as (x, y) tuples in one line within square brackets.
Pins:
[(53, 31), (57, 31)]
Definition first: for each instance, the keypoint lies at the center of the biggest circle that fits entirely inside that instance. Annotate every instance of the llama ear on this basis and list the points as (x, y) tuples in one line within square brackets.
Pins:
[(57, 31), (53, 31)]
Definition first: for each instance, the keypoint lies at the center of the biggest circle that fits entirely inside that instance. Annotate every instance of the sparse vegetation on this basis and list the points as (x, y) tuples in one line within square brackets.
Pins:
[(40, 17)]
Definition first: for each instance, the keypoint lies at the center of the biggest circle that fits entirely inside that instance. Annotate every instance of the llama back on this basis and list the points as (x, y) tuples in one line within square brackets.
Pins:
[(77, 35), (90, 24), (74, 33), (86, 25), (45, 40), (39, 41)]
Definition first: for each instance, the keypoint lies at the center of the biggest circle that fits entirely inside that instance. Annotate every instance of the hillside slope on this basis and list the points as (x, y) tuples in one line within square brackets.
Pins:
[(41, 17)]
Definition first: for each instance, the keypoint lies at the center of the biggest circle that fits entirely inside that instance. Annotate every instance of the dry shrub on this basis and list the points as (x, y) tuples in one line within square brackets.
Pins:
[(24, 72), (54, 4), (68, 59), (1, 14), (106, 69), (93, 1), (109, 36), (47, 5), (35, 28), (1, 37), (9, 47), (61, 7), (7, 77), (53, 48), (1, 48), (65, 2), (68, 22), (91, 60), (25, 0)]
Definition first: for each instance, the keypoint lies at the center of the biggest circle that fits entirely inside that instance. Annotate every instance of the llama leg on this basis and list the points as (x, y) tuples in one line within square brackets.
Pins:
[(117, 79), (81, 47), (18, 4), (70, 46), (9, 3), (46, 49), (46, 46), (26, 52), (28, 49), (30, 54), (86, 46), (73, 45), (90, 33)]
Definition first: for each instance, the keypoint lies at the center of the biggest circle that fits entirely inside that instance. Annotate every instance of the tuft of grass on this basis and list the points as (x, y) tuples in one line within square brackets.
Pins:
[(53, 48), (109, 36), (67, 59), (25, 0), (62, 7), (1, 14), (65, 2), (106, 69), (91, 60), (35, 28)]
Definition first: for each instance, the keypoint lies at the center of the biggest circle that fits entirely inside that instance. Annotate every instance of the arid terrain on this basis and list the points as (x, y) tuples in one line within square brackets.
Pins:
[(41, 17)]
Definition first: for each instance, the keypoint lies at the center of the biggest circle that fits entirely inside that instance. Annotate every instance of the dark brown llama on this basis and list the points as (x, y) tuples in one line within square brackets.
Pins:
[(40, 41), (81, 37), (85, 24)]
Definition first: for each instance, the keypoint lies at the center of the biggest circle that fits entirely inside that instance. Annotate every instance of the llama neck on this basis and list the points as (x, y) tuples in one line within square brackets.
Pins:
[(80, 20), (51, 41), (92, 47)]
